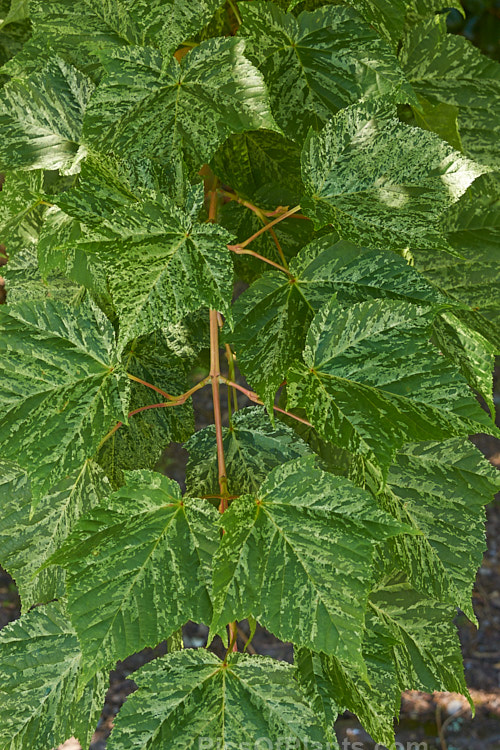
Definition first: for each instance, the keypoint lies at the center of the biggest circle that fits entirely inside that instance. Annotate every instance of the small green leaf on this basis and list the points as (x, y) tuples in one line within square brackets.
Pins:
[(298, 556), (138, 568), (319, 63), (20, 210), (372, 381), (147, 107), (252, 448), (62, 387), (190, 697), (140, 444), (382, 183), (24, 282), (40, 664), (41, 119)]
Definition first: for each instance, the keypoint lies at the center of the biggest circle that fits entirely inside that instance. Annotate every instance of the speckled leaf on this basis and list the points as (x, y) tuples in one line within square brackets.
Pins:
[(40, 663), (190, 697), (41, 119), (427, 650), (298, 556), (24, 282), (440, 489), (447, 68), (252, 448), (138, 568), (174, 263), (382, 183), (62, 387), (140, 444), (145, 106), (372, 381), (472, 228), (273, 315), (319, 63), (28, 539), (376, 703), (78, 30), (20, 210)]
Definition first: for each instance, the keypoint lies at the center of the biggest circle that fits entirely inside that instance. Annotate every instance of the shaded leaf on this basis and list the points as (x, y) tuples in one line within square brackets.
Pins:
[(440, 489), (427, 650), (252, 448), (20, 210), (24, 282), (140, 444)]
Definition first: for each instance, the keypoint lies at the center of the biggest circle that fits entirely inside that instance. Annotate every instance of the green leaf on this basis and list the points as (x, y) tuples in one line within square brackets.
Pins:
[(24, 282), (427, 650), (319, 63), (18, 11), (40, 664), (140, 444), (440, 118), (447, 69), (174, 263), (146, 107), (470, 351), (41, 119), (260, 161), (138, 568), (327, 679), (440, 489), (272, 317), (472, 228), (20, 210), (382, 183), (298, 556), (190, 698), (62, 387), (372, 381), (28, 538), (252, 448)]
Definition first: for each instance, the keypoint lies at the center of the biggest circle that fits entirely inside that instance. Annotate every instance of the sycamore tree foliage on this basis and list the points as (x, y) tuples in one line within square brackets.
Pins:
[(304, 192)]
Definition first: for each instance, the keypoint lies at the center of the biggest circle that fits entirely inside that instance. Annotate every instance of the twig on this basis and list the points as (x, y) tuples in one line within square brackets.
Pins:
[(273, 223), (240, 250), (254, 397)]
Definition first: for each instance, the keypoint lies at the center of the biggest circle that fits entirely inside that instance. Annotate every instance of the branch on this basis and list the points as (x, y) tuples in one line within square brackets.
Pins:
[(273, 223), (256, 400), (149, 385), (239, 250)]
